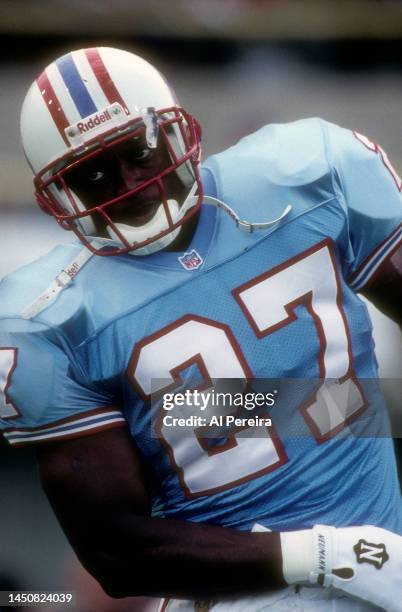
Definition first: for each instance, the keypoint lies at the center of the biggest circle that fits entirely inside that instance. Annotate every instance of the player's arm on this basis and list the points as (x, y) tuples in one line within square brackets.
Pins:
[(97, 488), (94, 478), (370, 192), (385, 290)]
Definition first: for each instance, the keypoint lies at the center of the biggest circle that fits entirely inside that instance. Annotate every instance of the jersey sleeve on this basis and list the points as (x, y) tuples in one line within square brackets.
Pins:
[(370, 191), (43, 395)]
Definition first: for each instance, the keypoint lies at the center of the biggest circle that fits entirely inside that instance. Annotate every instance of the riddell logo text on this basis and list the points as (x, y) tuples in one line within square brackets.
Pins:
[(73, 270), (85, 126)]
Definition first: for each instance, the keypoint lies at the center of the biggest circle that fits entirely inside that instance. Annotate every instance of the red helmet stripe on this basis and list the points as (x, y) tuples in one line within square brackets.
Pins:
[(53, 105), (105, 81)]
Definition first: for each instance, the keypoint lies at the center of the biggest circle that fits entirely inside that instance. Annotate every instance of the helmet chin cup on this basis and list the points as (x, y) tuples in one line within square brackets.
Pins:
[(153, 227), (126, 98)]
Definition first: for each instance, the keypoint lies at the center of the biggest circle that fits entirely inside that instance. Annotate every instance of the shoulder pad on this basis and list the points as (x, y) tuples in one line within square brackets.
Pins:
[(21, 288), (287, 154)]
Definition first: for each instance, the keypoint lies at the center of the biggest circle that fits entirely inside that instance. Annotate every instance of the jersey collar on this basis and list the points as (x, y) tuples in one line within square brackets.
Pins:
[(200, 244)]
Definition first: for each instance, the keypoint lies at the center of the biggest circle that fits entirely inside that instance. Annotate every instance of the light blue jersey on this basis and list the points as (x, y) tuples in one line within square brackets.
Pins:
[(276, 303)]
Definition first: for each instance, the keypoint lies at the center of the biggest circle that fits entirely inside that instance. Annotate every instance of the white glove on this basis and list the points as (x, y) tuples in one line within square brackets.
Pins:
[(364, 562)]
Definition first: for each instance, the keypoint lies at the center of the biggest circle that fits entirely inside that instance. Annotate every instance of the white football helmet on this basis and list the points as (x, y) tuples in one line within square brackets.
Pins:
[(85, 118)]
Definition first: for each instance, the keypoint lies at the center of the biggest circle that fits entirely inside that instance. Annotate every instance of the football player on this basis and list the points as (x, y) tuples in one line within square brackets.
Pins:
[(248, 268)]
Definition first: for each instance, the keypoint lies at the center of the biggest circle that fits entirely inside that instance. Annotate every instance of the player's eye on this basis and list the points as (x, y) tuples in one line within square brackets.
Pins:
[(143, 154), (96, 176)]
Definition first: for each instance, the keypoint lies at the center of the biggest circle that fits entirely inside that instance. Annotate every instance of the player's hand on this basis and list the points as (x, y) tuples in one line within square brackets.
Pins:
[(364, 562)]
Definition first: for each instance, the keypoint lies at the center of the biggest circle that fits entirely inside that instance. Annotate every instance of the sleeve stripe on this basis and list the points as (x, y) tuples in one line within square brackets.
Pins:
[(81, 425), (71, 425), (375, 259), (69, 435), (77, 417)]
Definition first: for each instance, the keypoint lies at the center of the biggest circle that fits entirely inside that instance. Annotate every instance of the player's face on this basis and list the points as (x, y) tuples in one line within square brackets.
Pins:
[(115, 172)]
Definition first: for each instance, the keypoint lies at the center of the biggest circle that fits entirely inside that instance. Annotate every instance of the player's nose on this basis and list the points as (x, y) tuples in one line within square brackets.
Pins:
[(131, 175)]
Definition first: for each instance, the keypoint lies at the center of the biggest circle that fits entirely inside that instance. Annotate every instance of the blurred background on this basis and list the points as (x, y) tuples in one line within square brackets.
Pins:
[(236, 65)]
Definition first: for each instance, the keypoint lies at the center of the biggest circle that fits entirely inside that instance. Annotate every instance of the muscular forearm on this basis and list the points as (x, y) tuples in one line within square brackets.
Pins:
[(163, 557), (131, 553), (190, 560)]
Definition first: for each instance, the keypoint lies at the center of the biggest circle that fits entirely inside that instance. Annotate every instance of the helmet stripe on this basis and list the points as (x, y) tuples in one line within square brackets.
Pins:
[(90, 80), (53, 105), (61, 91), (75, 85), (105, 81)]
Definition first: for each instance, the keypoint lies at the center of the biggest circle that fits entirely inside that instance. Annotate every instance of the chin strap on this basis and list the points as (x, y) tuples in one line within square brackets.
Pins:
[(241, 223), (62, 280), (153, 227)]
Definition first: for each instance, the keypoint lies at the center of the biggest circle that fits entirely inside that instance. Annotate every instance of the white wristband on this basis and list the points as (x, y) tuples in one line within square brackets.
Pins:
[(297, 555)]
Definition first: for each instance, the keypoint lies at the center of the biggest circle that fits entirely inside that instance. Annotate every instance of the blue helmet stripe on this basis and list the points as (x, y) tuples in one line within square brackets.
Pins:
[(78, 92)]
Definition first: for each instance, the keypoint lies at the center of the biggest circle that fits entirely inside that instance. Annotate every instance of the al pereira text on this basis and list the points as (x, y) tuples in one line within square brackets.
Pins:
[(216, 421)]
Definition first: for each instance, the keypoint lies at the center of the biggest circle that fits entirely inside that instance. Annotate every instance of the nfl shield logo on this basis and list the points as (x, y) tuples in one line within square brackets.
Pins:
[(191, 260)]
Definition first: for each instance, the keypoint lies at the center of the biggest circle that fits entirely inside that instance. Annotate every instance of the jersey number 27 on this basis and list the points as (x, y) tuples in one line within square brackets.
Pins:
[(268, 302)]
